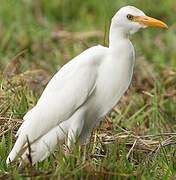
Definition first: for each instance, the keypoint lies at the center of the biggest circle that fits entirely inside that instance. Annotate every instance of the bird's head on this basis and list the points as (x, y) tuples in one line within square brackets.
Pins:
[(131, 19)]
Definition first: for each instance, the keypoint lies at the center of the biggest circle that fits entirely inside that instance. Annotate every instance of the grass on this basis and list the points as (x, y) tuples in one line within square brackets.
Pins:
[(134, 142)]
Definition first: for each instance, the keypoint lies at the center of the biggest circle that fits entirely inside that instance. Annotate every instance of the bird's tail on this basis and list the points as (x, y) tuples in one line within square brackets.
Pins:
[(16, 149), (40, 148), (22, 134)]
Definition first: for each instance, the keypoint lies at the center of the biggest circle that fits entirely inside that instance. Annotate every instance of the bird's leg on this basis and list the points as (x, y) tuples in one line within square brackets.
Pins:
[(74, 131)]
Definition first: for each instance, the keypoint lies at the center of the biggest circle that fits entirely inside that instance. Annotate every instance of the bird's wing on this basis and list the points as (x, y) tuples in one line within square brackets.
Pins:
[(64, 94)]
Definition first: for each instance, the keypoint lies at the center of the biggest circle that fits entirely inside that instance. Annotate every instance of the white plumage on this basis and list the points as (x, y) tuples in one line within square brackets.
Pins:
[(83, 91)]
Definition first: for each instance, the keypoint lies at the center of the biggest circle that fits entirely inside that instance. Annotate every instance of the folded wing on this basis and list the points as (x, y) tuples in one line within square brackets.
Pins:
[(65, 93)]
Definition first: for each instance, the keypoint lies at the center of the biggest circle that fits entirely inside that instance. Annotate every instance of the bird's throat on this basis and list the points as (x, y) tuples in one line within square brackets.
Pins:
[(116, 36)]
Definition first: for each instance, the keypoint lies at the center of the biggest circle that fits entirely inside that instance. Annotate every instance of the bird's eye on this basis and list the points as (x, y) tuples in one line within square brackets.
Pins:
[(130, 17)]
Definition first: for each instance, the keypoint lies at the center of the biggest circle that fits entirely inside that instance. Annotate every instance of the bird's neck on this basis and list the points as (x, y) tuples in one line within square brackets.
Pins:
[(117, 35)]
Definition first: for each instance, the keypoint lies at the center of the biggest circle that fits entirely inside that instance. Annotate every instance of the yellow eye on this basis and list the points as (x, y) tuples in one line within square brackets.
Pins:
[(130, 17)]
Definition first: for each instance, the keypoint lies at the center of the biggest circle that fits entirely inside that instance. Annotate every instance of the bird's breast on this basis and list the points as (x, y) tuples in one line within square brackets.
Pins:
[(113, 80)]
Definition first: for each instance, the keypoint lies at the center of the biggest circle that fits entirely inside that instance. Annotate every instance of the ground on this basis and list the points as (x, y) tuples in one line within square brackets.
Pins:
[(138, 138)]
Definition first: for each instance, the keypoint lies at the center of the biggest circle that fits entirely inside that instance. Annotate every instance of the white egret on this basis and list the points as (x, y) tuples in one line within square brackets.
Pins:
[(83, 91)]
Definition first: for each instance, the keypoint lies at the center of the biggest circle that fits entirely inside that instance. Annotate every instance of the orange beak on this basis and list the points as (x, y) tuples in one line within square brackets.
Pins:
[(149, 21)]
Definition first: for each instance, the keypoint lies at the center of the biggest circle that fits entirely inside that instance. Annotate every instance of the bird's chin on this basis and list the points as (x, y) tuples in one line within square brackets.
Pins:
[(133, 31), (137, 28), (144, 26)]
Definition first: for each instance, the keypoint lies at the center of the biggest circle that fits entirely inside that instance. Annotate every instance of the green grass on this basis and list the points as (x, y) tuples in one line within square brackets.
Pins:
[(148, 108)]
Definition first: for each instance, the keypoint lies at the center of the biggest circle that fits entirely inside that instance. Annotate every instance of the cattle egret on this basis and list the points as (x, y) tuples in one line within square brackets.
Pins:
[(83, 91)]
